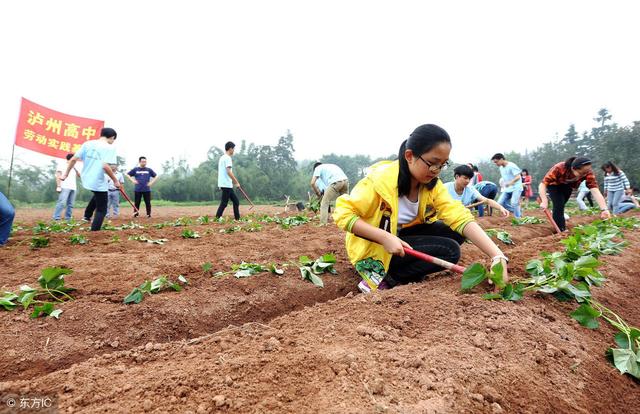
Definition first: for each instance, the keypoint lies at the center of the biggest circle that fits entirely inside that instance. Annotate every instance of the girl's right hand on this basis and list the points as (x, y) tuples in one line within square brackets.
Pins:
[(544, 204), (394, 245)]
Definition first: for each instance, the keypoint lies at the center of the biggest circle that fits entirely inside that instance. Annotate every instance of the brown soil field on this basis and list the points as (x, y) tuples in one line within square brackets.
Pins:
[(269, 343)]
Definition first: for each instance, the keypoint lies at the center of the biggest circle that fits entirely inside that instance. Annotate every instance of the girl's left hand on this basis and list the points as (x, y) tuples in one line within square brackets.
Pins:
[(605, 215), (504, 211)]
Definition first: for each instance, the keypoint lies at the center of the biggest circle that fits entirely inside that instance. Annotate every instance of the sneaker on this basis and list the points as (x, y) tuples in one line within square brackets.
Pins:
[(86, 220), (364, 286), (135, 215)]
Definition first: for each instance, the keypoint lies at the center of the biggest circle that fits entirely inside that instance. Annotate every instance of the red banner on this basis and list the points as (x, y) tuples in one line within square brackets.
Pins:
[(51, 132)]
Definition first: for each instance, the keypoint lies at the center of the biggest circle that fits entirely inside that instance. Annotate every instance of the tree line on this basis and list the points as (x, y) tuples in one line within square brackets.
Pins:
[(268, 173)]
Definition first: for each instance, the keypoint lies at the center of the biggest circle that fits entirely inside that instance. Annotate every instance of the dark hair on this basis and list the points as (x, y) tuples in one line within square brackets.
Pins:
[(69, 156), (229, 145), (576, 162), (475, 168), (142, 158), (422, 139), (611, 165), (463, 170), (108, 133), (524, 170), (497, 156), (315, 165)]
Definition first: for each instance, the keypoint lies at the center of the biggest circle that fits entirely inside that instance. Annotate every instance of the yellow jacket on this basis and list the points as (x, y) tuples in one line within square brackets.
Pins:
[(375, 200)]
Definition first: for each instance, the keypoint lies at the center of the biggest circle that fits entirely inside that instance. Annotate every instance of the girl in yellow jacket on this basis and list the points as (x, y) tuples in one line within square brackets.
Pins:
[(401, 204)]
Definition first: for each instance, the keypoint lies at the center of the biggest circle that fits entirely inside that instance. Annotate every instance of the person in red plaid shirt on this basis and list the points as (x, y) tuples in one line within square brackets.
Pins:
[(562, 179)]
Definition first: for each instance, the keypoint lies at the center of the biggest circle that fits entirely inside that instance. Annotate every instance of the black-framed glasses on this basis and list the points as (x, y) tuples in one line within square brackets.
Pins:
[(435, 168)]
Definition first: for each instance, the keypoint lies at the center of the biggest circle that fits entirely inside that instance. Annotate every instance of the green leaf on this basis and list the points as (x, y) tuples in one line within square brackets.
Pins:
[(626, 361), (587, 316), (473, 276), (206, 267), (513, 292), (305, 260), (135, 296), (492, 296), (496, 275), (50, 273), (244, 273), (26, 298), (308, 274), (56, 313), (45, 308), (183, 279), (587, 261), (328, 258), (273, 269)]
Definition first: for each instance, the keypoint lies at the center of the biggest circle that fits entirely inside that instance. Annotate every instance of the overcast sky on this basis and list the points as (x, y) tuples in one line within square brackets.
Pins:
[(174, 78)]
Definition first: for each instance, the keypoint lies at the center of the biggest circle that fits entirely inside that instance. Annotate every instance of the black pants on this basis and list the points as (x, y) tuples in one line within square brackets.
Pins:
[(559, 195), (98, 203), (228, 193), (435, 239), (589, 199), (138, 195)]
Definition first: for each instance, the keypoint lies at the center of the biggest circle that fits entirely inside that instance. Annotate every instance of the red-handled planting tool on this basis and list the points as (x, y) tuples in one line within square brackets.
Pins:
[(126, 197), (246, 196), (442, 263), (551, 220)]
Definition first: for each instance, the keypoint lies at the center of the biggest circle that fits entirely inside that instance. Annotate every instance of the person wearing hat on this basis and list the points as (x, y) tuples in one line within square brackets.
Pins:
[(562, 179), (96, 155)]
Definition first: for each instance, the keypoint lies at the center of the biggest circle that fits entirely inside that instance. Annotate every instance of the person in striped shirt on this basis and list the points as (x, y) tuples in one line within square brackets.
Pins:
[(562, 179), (616, 185)]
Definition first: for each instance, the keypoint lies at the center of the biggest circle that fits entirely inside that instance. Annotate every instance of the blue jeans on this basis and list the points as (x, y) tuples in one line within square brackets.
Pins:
[(113, 204), (488, 191), (613, 200), (511, 201), (7, 213), (66, 198)]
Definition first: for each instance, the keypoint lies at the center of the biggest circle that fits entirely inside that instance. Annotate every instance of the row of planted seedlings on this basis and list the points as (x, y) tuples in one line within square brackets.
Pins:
[(52, 290), (249, 223), (570, 275)]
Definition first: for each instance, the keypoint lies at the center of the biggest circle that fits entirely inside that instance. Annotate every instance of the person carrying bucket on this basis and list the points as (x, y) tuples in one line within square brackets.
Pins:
[(403, 204)]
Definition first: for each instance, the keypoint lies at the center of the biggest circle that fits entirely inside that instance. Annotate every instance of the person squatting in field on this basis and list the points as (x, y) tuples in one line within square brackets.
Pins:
[(96, 155), (402, 204), (616, 186), (470, 197), (561, 180)]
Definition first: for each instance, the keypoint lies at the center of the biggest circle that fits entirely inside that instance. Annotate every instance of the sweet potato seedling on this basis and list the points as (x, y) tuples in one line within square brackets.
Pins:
[(51, 290), (143, 238), (154, 287), (525, 220), (39, 242), (190, 234), (78, 239), (311, 269)]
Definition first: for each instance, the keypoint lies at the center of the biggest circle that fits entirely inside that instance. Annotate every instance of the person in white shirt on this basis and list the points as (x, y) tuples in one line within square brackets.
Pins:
[(113, 203), (226, 181), (67, 190), (335, 183)]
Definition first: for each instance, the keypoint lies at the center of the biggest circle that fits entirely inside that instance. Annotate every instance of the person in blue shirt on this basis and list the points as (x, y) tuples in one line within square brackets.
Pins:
[(469, 197), (335, 183), (143, 178), (96, 155), (7, 213), (226, 180), (488, 190), (510, 173)]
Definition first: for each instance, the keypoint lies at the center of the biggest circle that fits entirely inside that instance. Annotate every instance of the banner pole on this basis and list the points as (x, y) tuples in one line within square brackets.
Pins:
[(13, 150)]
